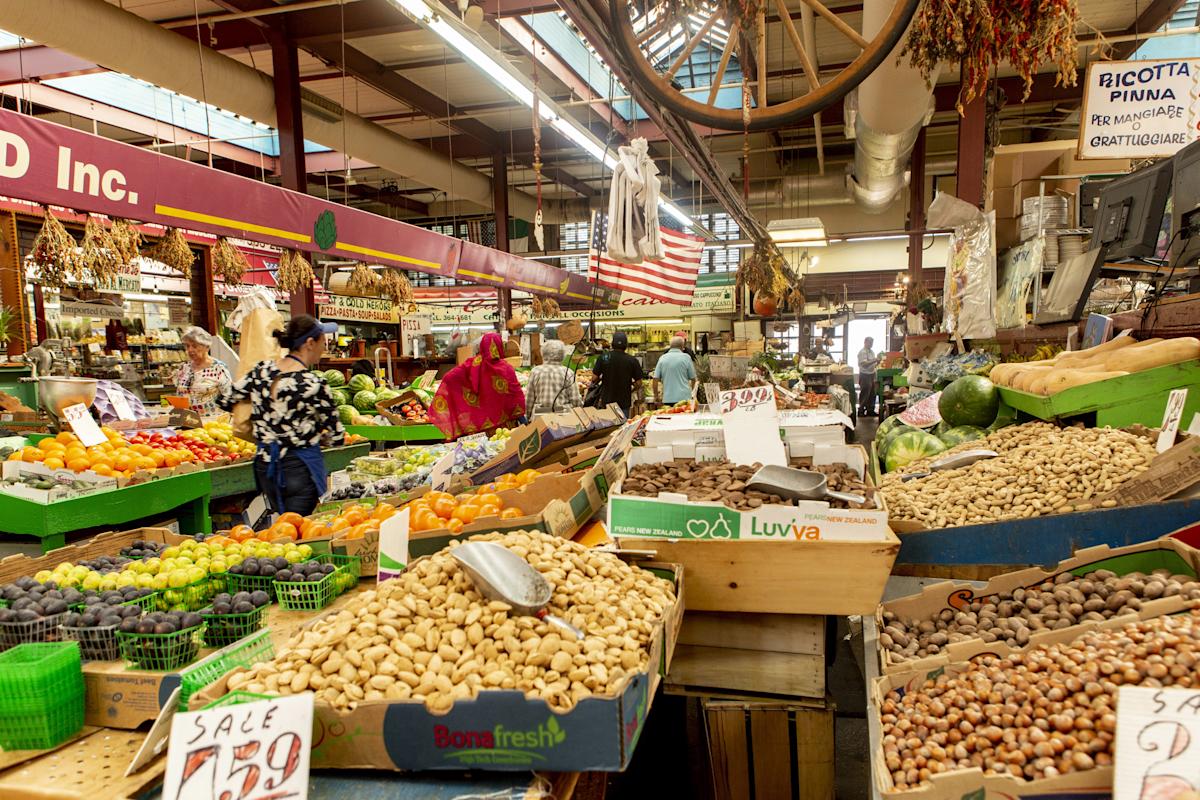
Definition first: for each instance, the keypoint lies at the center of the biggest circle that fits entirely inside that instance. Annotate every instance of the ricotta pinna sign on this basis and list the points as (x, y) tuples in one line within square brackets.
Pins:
[(1139, 109)]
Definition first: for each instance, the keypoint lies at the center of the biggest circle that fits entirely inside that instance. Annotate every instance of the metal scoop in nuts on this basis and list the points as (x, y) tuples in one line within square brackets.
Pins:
[(500, 574)]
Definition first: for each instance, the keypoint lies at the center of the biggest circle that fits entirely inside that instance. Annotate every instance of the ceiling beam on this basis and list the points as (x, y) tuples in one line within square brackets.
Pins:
[(363, 18), (37, 62), (518, 8), (377, 195), (1157, 14)]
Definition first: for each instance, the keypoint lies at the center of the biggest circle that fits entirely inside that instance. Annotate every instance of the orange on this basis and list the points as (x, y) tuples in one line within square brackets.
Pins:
[(454, 525), (291, 518), (103, 461), (425, 520), (32, 454), (354, 515), (141, 449), (339, 524), (66, 437), (74, 451), (316, 531), (14, 456), (48, 445), (383, 511), (54, 462), (102, 469), (172, 460), (488, 487), (444, 507), (432, 496), (512, 512), (487, 510), (241, 533), (527, 476), (78, 464), (144, 462), (286, 529), (159, 458), (466, 513), (490, 499), (122, 463)]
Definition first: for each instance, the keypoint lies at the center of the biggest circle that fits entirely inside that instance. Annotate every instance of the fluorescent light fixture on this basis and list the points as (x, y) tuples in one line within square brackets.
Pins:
[(806, 232), (493, 64)]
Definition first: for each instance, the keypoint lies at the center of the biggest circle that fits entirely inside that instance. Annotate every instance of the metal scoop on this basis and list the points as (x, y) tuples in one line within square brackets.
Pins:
[(798, 484), (500, 574), (964, 459)]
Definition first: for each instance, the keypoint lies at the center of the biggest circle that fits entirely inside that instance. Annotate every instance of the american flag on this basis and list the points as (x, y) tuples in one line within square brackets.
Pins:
[(671, 279)]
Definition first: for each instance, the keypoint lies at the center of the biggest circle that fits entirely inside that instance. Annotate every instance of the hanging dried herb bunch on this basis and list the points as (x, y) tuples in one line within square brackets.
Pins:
[(99, 253), (978, 34), (127, 238), (295, 273), (395, 286), (364, 279), (764, 270), (55, 254), (545, 308), (172, 249), (228, 262)]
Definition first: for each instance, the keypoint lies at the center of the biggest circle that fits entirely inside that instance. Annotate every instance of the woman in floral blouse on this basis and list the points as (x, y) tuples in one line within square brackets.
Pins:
[(202, 379), (294, 414)]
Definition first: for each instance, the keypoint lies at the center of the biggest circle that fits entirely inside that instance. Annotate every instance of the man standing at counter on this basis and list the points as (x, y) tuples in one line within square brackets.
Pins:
[(674, 373)]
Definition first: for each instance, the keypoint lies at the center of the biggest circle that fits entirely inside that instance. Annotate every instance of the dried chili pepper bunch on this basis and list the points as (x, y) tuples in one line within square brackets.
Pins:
[(55, 253), (364, 279), (173, 250), (295, 273), (395, 286), (229, 262), (98, 253), (977, 34), (127, 238)]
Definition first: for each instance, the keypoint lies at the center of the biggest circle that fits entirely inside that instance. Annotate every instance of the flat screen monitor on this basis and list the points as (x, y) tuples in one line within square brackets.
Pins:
[(1130, 215), (1185, 211)]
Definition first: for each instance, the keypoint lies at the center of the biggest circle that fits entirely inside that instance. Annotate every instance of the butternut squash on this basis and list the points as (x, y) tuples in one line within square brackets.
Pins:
[(1023, 379), (1069, 359), (1004, 374), (1065, 379), (1158, 354)]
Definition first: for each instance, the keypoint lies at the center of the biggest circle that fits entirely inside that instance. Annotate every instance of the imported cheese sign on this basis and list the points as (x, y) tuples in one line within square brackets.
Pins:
[(1139, 109)]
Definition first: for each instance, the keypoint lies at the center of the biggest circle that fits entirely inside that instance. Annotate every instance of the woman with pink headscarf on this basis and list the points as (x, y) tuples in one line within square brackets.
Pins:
[(480, 394)]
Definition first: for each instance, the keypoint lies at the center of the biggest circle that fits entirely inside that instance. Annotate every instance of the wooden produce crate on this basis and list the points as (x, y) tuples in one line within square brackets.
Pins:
[(770, 751), (1135, 399), (749, 656)]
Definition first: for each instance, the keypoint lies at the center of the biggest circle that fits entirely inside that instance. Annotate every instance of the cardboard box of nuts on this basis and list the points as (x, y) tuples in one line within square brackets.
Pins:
[(1019, 609), (803, 559)]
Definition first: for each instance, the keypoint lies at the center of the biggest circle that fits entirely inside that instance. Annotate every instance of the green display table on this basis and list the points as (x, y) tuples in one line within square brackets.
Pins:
[(186, 496), (239, 478), (407, 434)]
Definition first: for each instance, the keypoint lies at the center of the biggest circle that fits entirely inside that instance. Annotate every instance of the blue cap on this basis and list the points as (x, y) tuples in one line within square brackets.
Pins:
[(320, 329)]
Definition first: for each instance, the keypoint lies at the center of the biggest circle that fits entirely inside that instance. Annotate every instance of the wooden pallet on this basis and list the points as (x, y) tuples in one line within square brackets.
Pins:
[(770, 751)]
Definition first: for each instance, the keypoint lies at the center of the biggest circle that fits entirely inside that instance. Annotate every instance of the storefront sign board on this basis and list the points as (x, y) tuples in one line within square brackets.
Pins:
[(361, 309)]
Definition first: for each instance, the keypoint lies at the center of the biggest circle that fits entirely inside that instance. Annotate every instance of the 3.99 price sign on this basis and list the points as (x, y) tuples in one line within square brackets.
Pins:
[(252, 751), (747, 399)]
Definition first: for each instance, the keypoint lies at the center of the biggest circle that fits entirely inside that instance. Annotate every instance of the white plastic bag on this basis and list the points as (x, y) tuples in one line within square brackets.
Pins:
[(970, 288)]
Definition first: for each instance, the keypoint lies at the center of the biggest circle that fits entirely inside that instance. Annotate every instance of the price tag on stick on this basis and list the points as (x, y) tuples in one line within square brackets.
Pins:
[(1158, 743), (121, 407), (85, 427), (253, 750), (1171, 417), (751, 424), (440, 476), (393, 545)]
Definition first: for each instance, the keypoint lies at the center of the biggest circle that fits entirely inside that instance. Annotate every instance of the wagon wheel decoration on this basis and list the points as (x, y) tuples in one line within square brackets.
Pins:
[(657, 39)]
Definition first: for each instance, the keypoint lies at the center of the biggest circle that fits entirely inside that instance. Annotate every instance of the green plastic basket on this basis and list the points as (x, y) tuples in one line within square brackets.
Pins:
[(58, 719), (97, 643), (31, 675), (351, 564), (244, 653), (192, 597), (250, 583), (43, 629), (237, 698), (147, 602), (222, 630), (161, 652)]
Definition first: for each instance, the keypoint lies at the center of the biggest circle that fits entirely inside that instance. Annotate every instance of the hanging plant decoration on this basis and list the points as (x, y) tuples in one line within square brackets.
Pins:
[(295, 273), (229, 262), (127, 238), (395, 286), (173, 250), (99, 253), (363, 279), (978, 34), (764, 271), (545, 308), (55, 254)]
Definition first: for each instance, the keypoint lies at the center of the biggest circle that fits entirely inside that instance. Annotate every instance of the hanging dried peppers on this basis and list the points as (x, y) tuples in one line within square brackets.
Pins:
[(229, 262), (173, 250), (978, 34), (55, 254)]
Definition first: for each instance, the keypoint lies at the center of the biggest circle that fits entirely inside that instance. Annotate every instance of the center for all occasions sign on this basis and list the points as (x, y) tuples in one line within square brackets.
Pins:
[(251, 751), (1138, 109), (751, 422)]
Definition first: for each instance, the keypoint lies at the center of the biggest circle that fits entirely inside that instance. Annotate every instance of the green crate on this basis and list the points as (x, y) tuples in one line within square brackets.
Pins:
[(192, 597), (56, 720), (97, 643), (245, 653), (35, 673), (250, 583), (351, 564), (161, 652), (147, 602), (43, 629), (237, 698), (222, 630)]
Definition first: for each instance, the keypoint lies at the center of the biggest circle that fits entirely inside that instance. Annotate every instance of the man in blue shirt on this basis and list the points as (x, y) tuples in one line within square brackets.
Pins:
[(674, 374)]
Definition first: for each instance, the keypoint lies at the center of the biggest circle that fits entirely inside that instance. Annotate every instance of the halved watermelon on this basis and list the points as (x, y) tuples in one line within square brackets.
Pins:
[(970, 400), (911, 446), (923, 413), (961, 433)]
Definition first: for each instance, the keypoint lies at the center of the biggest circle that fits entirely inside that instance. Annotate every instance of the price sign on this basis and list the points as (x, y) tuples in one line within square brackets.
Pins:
[(85, 427), (439, 476), (712, 392), (1171, 417), (751, 424), (121, 406), (251, 751), (1158, 743), (393, 545)]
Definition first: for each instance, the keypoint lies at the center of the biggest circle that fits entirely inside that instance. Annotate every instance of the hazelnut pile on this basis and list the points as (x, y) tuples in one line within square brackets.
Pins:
[(1044, 712)]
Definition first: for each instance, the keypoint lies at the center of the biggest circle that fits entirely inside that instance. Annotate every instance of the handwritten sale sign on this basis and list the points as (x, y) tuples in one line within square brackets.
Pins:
[(251, 751), (1158, 743), (1139, 109), (751, 423)]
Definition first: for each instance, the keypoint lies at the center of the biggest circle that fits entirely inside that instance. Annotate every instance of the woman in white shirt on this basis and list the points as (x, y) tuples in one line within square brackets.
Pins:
[(202, 378)]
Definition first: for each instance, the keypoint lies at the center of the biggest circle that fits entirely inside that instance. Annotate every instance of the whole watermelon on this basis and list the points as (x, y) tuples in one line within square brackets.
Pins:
[(334, 377), (888, 430), (361, 383), (365, 400), (960, 434), (887, 425), (970, 400), (910, 446), (340, 396), (346, 414)]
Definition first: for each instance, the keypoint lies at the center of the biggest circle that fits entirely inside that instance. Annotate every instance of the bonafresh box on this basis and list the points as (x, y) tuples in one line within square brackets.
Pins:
[(804, 559), (1145, 557)]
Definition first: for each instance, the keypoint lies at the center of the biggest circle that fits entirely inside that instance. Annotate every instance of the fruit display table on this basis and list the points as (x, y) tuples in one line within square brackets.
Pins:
[(404, 434), (239, 478), (186, 496)]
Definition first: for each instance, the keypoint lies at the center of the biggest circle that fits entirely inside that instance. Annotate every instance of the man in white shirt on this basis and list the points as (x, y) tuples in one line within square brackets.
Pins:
[(866, 379)]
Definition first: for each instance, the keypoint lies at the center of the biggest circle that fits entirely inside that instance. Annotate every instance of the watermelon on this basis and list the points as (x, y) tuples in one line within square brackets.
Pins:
[(346, 413), (340, 397), (910, 446), (361, 383), (365, 401), (883, 442), (1007, 415), (334, 377), (961, 433), (887, 425), (970, 400)]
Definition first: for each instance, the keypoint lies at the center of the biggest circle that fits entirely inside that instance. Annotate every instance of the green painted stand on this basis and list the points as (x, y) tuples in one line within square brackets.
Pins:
[(407, 434), (1138, 398), (10, 383), (185, 495), (239, 478)]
